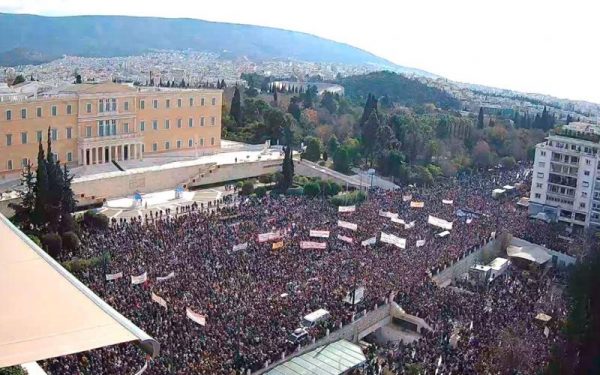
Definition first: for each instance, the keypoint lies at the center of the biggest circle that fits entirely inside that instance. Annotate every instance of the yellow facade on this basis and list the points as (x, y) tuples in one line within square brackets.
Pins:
[(97, 123)]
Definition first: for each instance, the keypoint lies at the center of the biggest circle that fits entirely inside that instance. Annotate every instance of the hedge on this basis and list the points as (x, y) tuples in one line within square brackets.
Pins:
[(348, 199)]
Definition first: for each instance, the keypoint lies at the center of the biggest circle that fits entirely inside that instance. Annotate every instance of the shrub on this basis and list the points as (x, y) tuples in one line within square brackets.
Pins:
[(295, 191), (70, 241), (321, 163), (324, 186), (52, 243), (508, 162), (300, 180), (96, 220), (348, 199), (313, 149), (247, 188), (239, 185), (260, 191), (35, 239), (265, 179), (14, 370), (77, 264), (341, 160), (312, 189), (334, 188)]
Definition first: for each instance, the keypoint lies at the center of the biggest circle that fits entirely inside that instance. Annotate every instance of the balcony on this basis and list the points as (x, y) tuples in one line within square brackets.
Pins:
[(123, 138)]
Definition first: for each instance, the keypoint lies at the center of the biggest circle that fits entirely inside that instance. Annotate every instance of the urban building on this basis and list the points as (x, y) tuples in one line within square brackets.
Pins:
[(98, 123), (566, 176)]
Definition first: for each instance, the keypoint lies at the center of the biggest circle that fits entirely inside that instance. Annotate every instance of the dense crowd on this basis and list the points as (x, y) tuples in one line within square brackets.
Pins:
[(255, 297)]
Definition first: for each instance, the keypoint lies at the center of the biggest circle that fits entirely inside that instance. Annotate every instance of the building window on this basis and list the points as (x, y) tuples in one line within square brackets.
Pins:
[(142, 126), (543, 153), (178, 144), (538, 185), (154, 147), (114, 127), (9, 165), (586, 173), (126, 106), (541, 164), (24, 113), (39, 136), (101, 105), (201, 141), (69, 156), (191, 102), (201, 121), (581, 205), (540, 175), (212, 141), (155, 103), (9, 139), (214, 101), (88, 107), (191, 122), (88, 131), (38, 111), (154, 124), (168, 103), (179, 103), (54, 133), (114, 105), (142, 104), (179, 123), (8, 115), (23, 138), (212, 121), (167, 145), (101, 129), (202, 101), (126, 128), (24, 162), (588, 162), (538, 195), (53, 111), (585, 184), (69, 133), (69, 109), (190, 142), (167, 124)]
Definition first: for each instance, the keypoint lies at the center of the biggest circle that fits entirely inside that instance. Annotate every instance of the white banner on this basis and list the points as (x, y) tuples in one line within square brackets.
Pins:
[(393, 240), (439, 222), (420, 243), (114, 276), (417, 204), (164, 278), (345, 239), (161, 301), (409, 225), (347, 225), (271, 236), (447, 201), (387, 214), (139, 279), (406, 198), (398, 221), (241, 246), (469, 220), (195, 317), (343, 209), (369, 241), (313, 245), (319, 233)]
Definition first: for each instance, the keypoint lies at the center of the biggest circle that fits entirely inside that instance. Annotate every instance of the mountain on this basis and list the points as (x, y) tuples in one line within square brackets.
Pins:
[(398, 88), (23, 56), (106, 36)]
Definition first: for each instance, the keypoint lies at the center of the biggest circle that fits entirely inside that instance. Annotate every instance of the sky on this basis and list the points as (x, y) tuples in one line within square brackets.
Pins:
[(550, 47)]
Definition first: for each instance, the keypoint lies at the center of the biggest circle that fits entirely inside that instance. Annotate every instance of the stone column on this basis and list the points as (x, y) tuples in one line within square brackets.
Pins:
[(111, 156), (141, 152), (120, 155), (101, 158), (81, 159), (94, 156), (132, 155)]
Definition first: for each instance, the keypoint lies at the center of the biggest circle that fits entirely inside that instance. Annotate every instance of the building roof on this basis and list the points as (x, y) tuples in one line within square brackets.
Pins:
[(519, 248), (96, 88), (331, 359), (46, 312)]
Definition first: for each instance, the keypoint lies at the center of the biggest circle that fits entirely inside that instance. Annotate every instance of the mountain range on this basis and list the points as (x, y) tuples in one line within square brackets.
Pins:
[(32, 39)]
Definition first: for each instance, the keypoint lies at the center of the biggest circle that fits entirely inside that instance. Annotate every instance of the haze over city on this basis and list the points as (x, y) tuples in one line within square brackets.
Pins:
[(546, 47)]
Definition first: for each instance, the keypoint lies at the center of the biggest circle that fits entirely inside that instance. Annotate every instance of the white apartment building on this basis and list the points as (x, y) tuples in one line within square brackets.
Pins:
[(566, 176)]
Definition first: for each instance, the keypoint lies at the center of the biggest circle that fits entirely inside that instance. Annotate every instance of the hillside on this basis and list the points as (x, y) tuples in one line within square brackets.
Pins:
[(107, 36), (398, 88)]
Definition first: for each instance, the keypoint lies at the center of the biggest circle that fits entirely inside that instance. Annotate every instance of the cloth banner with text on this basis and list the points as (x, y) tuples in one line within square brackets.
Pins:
[(393, 240), (313, 245)]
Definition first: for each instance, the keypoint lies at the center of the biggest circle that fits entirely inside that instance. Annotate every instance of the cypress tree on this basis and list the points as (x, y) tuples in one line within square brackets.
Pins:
[(480, 118), (275, 97), (41, 188), (236, 107)]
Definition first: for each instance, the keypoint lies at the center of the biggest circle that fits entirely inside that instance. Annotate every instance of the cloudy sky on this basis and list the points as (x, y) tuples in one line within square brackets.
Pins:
[(544, 46)]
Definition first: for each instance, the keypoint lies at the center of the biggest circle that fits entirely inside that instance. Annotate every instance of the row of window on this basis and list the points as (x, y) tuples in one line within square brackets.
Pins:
[(39, 136), (38, 112), (155, 103), (574, 147), (179, 144), (167, 123), (25, 161)]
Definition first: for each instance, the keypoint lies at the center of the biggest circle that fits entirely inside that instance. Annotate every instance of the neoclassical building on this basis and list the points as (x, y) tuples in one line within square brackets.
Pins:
[(97, 123)]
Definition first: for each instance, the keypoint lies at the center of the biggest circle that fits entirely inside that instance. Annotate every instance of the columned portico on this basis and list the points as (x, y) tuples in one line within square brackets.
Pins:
[(99, 150)]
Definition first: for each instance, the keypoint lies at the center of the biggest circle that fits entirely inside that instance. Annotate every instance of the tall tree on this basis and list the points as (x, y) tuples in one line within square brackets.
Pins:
[(369, 135), (480, 118), (275, 97), (328, 102), (288, 162), (68, 201), (236, 107), (294, 108), (24, 210), (41, 188)]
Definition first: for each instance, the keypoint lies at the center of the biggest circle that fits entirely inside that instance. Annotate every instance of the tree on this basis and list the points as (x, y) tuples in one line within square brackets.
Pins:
[(370, 107), (480, 118), (78, 79), (24, 210), (312, 189), (341, 160), (313, 149), (236, 107), (332, 144), (288, 163), (18, 79), (260, 191), (310, 96), (275, 97), (41, 188), (482, 154), (294, 108), (247, 188), (328, 102), (369, 135)]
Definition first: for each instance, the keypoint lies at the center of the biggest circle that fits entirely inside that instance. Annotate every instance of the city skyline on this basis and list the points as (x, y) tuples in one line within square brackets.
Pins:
[(537, 47)]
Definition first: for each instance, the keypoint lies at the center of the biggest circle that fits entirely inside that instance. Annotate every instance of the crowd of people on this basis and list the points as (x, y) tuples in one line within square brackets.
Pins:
[(253, 297)]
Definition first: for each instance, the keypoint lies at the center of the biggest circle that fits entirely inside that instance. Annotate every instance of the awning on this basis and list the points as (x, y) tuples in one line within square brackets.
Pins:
[(534, 254), (46, 312), (331, 359)]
